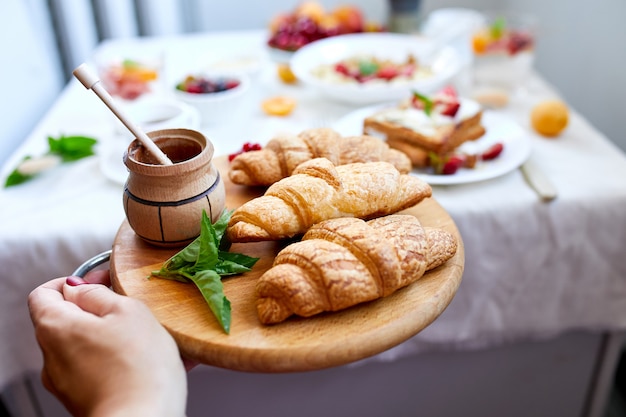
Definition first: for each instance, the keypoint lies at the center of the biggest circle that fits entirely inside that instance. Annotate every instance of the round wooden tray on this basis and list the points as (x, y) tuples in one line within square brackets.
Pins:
[(298, 344)]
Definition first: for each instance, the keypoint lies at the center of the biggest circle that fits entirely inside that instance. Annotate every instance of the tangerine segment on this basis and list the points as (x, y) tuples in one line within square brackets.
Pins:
[(285, 74), (278, 106), (480, 42)]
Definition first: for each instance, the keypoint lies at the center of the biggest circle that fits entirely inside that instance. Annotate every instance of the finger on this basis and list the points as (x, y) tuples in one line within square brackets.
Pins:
[(93, 298), (45, 296), (99, 277), (189, 364)]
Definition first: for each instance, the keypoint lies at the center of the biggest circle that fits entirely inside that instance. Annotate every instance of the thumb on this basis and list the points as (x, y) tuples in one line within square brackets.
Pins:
[(93, 298)]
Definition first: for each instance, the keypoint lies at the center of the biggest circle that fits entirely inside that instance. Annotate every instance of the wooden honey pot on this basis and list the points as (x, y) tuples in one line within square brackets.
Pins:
[(164, 203)]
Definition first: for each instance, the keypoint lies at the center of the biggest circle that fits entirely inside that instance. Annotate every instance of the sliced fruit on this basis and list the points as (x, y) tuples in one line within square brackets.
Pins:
[(480, 41), (285, 74), (492, 152), (452, 165), (278, 105)]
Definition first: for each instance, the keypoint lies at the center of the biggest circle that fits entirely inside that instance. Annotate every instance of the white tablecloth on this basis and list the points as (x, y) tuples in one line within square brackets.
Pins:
[(533, 269)]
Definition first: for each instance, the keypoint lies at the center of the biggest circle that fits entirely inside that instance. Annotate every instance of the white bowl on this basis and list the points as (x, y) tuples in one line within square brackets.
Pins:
[(444, 62), (217, 108)]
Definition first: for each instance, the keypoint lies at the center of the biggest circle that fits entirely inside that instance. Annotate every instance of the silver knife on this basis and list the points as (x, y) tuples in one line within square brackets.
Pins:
[(538, 181)]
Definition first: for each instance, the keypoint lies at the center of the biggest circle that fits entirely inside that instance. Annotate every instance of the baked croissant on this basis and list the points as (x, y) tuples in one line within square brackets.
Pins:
[(317, 190), (283, 154), (343, 262)]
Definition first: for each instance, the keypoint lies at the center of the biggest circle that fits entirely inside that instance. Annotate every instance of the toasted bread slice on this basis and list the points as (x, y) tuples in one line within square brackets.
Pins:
[(435, 133), (420, 156)]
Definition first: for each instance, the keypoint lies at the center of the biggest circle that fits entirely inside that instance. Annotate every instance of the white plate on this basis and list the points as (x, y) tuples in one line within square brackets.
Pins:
[(499, 128), (445, 63)]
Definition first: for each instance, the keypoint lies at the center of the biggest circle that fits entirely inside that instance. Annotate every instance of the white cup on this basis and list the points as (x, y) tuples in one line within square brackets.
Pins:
[(158, 114)]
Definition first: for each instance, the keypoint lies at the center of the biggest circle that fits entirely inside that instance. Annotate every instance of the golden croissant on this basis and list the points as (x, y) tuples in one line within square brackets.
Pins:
[(317, 190), (344, 262), (283, 154)]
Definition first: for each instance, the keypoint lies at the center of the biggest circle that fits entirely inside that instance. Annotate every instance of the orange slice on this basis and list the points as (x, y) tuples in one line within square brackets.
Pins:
[(285, 74), (278, 106), (480, 42)]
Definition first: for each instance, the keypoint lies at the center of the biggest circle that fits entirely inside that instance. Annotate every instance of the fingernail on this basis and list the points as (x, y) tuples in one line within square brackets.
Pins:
[(75, 281)]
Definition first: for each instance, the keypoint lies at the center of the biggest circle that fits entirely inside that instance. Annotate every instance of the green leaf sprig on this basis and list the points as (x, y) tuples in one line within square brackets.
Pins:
[(68, 148), (71, 148), (204, 262), (368, 67), (498, 28), (426, 101)]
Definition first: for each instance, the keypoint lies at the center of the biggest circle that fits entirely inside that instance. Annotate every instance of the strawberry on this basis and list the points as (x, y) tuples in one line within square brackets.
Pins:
[(342, 68), (452, 165), (422, 102), (450, 109), (447, 101), (387, 73), (492, 152)]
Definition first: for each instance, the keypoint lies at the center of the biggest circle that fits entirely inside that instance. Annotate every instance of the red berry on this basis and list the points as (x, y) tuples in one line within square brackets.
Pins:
[(451, 109), (387, 73), (448, 101), (233, 156), (342, 68), (231, 84), (452, 165), (492, 152)]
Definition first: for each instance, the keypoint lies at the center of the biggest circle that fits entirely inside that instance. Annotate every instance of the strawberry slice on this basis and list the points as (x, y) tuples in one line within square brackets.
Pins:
[(421, 102), (342, 68), (450, 109), (447, 101), (453, 164), (492, 152), (388, 72)]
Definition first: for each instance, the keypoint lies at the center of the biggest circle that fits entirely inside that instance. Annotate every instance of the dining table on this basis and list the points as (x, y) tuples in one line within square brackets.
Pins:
[(535, 327)]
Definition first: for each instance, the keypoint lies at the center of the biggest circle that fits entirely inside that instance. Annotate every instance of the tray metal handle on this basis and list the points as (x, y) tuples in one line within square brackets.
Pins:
[(92, 263)]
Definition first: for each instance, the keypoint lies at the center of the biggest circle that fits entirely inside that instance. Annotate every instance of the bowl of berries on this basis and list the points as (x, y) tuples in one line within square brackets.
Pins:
[(310, 22), (368, 68), (216, 96)]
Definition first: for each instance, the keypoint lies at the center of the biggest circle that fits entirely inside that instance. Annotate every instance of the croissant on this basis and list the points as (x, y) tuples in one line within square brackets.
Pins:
[(343, 262), (317, 190), (283, 154)]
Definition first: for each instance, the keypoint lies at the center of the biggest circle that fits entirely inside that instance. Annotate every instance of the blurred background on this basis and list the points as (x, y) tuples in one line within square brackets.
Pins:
[(579, 48)]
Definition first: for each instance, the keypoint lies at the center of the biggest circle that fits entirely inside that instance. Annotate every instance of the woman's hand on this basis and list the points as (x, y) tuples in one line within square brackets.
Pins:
[(105, 354)]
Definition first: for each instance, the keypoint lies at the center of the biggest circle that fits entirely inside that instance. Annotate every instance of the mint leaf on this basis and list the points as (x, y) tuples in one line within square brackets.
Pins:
[(203, 263), (72, 148), (130, 63), (207, 254), (68, 148), (427, 102), (210, 285), (368, 67), (498, 27), (16, 178)]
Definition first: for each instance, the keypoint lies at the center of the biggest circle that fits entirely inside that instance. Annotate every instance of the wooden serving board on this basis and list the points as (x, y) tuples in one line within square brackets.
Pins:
[(298, 344)]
